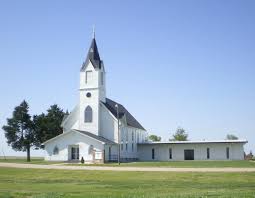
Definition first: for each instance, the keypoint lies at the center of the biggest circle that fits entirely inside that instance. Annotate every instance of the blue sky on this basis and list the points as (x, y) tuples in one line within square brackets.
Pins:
[(171, 63)]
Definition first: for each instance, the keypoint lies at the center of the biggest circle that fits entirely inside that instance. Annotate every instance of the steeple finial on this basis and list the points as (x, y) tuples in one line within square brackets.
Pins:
[(94, 32)]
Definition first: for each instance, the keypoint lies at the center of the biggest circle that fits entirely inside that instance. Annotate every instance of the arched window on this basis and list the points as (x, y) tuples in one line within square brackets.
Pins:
[(91, 149), (88, 114), (55, 150)]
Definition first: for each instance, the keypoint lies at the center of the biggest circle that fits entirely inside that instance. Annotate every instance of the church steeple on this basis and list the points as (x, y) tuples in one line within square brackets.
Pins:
[(93, 55), (92, 90)]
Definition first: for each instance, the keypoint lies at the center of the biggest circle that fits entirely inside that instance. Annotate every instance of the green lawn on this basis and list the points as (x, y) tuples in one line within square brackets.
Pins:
[(36, 183), (181, 164), (34, 160)]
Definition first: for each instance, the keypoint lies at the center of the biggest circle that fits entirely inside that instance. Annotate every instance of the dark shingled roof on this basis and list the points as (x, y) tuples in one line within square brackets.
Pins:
[(131, 121), (93, 56), (99, 138)]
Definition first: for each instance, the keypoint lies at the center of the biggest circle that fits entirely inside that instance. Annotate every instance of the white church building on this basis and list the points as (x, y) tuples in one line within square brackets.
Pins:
[(98, 127)]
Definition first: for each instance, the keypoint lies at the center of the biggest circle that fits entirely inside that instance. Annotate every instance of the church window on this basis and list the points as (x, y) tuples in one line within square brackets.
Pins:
[(102, 78), (132, 135), (91, 150), (126, 146), (55, 150), (88, 114), (132, 147), (122, 135), (88, 76), (88, 94)]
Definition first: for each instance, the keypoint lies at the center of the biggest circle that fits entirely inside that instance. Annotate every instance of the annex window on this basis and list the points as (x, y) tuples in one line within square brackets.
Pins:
[(208, 153), (88, 76), (227, 152), (132, 135), (126, 146), (153, 153), (55, 150), (121, 146), (132, 147), (170, 153), (88, 114)]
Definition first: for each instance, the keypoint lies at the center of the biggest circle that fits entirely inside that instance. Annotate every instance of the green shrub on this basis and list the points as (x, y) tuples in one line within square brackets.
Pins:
[(82, 160)]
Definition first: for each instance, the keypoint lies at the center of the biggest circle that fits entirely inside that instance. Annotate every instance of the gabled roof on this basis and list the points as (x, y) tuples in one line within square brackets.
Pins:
[(92, 56), (91, 135), (99, 138), (131, 121)]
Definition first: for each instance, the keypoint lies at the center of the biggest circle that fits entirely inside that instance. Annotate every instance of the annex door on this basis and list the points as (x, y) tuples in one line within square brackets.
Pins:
[(189, 154), (75, 153)]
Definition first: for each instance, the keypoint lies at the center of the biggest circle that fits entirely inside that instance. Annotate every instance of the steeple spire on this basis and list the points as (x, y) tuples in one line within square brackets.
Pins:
[(93, 54), (94, 32)]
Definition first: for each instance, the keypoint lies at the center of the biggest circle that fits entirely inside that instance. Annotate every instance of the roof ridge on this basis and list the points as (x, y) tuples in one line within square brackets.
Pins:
[(131, 121)]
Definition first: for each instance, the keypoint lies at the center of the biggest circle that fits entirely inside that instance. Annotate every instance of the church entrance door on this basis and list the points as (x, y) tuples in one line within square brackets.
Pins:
[(75, 153)]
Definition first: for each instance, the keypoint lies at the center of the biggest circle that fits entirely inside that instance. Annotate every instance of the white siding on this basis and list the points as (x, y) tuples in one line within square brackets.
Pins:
[(108, 125), (217, 151), (64, 142)]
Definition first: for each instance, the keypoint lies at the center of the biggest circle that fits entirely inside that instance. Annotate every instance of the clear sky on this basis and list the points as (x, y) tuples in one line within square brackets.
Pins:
[(171, 63)]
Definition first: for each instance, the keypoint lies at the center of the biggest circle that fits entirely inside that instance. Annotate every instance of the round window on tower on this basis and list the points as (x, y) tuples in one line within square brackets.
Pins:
[(88, 94)]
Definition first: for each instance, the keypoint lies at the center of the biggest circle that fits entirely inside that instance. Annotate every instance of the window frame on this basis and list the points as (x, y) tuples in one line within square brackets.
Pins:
[(55, 150), (208, 153), (170, 153), (102, 78), (227, 152), (153, 153), (88, 114), (86, 76)]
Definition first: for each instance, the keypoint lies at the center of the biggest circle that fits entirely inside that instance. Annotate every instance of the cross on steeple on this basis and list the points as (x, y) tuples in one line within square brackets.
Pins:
[(94, 32)]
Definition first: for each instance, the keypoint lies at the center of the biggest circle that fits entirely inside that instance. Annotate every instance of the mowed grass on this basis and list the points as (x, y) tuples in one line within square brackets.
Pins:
[(183, 164), (38, 183), (175, 164), (23, 160)]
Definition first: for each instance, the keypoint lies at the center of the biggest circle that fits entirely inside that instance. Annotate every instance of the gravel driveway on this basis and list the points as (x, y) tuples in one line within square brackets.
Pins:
[(107, 168)]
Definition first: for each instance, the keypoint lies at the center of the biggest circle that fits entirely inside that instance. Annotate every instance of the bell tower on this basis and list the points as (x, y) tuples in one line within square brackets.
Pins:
[(92, 90)]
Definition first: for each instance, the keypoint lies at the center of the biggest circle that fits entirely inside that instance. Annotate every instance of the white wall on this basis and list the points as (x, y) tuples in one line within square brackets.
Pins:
[(71, 138), (217, 151), (72, 121), (97, 91), (126, 139), (108, 125)]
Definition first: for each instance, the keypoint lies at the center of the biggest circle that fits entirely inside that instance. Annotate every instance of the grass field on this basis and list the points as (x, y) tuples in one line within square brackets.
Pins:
[(180, 164), (36, 183), (34, 160)]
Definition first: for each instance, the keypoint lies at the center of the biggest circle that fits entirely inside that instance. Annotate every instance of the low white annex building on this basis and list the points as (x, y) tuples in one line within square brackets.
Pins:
[(91, 129)]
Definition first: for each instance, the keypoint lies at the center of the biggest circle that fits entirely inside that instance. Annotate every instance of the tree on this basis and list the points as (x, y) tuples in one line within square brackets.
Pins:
[(231, 137), (155, 138), (48, 125), (19, 130), (180, 135)]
